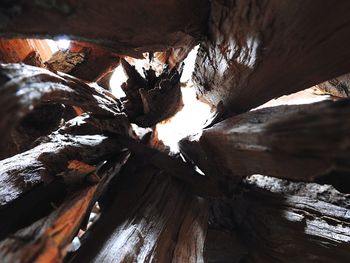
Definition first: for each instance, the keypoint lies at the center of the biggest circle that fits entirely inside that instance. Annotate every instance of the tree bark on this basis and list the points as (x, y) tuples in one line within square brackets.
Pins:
[(260, 50)]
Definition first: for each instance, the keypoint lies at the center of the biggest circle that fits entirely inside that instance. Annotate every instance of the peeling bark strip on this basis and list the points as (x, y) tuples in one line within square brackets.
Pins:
[(259, 50), (123, 27), (301, 142), (23, 87)]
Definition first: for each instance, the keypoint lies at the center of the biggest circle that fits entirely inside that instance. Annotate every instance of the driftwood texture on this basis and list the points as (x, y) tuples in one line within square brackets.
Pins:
[(259, 50), (149, 217), (299, 142), (123, 27)]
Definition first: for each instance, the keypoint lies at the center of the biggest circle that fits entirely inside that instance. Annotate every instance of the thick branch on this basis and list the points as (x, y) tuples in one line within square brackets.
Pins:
[(23, 87), (301, 142), (124, 26)]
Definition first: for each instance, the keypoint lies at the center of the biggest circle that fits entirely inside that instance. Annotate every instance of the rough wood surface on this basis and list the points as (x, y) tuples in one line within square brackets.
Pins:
[(84, 61), (152, 99), (299, 142), (127, 28), (281, 221), (337, 87), (23, 88), (259, 50), (153, 220), (47, 239), (31, 177)]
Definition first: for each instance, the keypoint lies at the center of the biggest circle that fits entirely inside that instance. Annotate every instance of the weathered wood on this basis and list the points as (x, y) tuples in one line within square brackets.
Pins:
[(150, 218), (198, 184), (281, 221), (127, 28), (22, 175), (152, 99), (300, 142), (259, 50), (29, 179), (23, 87), (84, 61), (47, 239), (337, 87)]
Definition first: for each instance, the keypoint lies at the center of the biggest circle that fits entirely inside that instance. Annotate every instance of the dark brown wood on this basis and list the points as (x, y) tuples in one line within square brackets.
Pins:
[(299, 142), (260, 50), (124, 27)]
